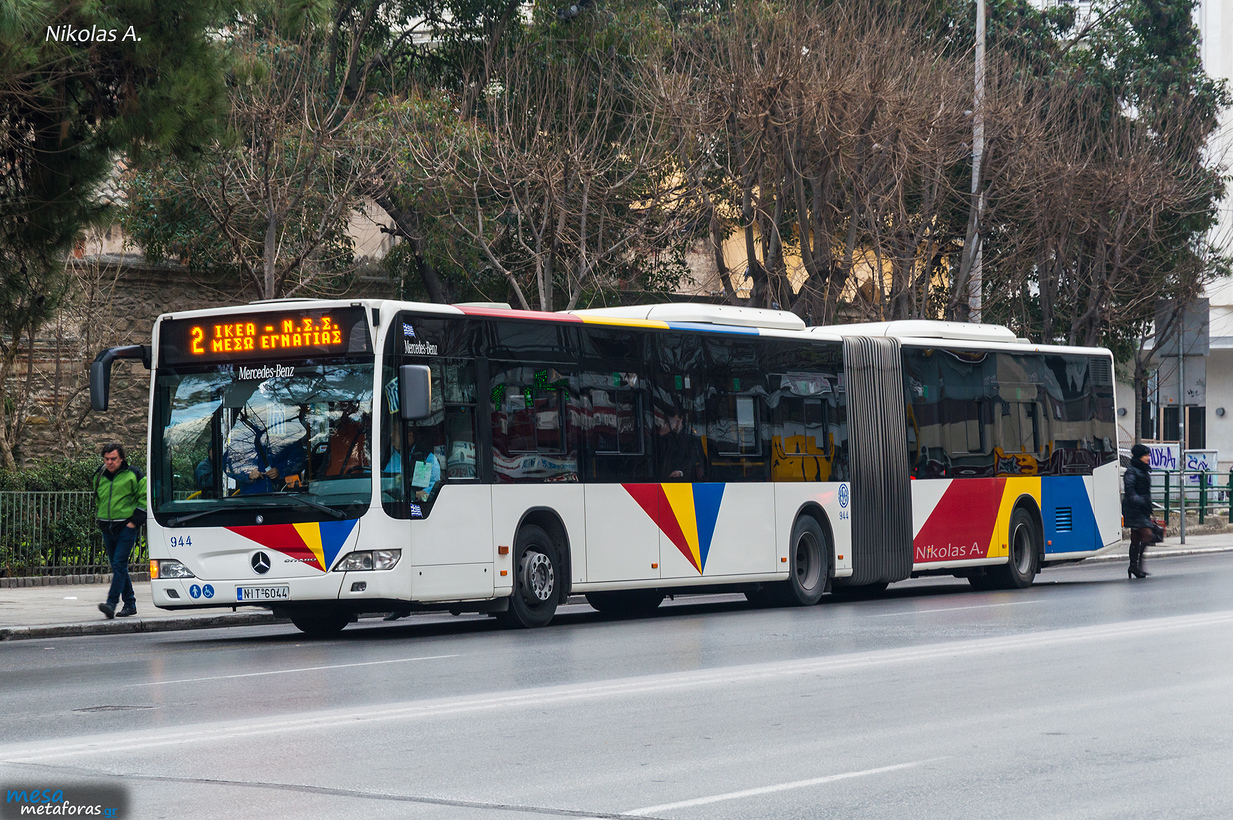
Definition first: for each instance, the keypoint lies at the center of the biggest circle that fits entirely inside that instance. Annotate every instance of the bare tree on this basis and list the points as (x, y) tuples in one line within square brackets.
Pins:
[(1086, 201), (836, 132), (560, 180), (274, 198)]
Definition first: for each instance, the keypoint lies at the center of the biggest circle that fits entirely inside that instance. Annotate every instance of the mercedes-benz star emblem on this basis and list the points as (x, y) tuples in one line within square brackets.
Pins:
[(261, 563)]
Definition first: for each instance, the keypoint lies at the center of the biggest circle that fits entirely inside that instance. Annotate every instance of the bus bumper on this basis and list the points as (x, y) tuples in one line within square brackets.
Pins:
[(200, 593)]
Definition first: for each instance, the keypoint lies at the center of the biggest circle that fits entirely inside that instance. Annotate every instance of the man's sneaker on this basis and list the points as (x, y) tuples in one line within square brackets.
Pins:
[(107, 609), (129, 609)]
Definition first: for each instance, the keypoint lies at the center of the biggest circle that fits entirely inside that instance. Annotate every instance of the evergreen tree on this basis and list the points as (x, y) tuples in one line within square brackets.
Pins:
[(81, 84)]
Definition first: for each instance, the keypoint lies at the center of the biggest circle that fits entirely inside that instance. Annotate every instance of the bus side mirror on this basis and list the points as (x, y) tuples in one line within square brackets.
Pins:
[(415, 391), (100, 371)]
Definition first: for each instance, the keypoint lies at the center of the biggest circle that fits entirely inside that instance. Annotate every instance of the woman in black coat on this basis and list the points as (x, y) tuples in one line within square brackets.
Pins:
[(1137, 507)]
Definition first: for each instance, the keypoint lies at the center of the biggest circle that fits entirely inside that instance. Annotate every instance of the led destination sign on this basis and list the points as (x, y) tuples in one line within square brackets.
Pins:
[(284, 334), (236, 337)]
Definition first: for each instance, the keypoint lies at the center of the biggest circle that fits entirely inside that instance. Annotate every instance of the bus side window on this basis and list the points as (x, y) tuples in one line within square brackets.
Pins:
[(420, 458), (460, 443), (613, 419), (532, 440), (460, 432), (614, 403), (800, 423)]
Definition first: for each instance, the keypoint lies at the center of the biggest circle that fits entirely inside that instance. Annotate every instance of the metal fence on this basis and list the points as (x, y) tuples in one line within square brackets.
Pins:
[(54, 533), (1208, 493)]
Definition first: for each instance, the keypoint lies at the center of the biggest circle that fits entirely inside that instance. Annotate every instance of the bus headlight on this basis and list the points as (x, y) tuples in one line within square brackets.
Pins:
[(169, 569), (385, 559), (369, 559)]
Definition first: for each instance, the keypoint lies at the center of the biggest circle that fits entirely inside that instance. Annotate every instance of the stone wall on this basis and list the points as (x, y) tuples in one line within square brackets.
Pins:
[(114, 301)]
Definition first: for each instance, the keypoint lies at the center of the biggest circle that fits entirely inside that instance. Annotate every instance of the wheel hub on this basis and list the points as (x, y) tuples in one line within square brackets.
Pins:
[(538, 577), (805, 564)]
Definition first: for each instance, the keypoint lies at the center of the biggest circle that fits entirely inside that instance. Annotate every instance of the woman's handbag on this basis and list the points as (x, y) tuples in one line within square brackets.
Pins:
[(1157, 532)]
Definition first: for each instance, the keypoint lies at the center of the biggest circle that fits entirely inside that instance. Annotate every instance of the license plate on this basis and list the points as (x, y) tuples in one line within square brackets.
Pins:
[(262, 593)]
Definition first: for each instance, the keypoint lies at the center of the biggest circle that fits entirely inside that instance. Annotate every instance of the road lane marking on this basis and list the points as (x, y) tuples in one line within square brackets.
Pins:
[(290, 671), (952, 609), (539, 698), (779, 787)]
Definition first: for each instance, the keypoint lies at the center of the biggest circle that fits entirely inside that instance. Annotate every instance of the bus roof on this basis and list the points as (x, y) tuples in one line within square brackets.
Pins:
[(668, 316), (926, 331), (692, 313), (691, 316)]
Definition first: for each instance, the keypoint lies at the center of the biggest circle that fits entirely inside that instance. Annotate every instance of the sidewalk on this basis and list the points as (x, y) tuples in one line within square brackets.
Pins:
[(57, 611)]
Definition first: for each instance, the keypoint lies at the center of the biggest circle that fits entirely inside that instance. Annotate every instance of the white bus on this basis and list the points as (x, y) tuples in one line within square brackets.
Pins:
[(327, 459)]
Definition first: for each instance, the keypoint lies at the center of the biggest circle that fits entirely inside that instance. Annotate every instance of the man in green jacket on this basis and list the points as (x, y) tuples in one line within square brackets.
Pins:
[(120, 491)]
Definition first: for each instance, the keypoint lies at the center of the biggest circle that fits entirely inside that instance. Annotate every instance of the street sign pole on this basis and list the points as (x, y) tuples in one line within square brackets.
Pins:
[(1181, 438)]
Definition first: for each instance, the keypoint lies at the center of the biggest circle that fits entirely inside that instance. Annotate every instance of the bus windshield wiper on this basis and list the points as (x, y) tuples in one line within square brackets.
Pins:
[(183, 519), (314, 504)]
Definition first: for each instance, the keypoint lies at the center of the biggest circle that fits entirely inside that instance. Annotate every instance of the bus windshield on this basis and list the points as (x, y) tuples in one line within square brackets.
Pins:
[(238, 444)]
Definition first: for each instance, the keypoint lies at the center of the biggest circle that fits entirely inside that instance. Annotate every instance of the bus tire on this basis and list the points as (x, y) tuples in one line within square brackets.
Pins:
[(326, 622), (809, 554), (1023, 541), (626, 602), (537, 579)]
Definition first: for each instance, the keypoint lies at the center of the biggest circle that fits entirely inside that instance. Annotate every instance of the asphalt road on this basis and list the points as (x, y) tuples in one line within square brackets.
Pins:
[(1084, 696)]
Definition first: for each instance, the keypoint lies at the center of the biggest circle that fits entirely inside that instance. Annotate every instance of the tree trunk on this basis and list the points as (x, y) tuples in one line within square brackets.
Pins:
[(407, 225), (269, 258), (6, 444)]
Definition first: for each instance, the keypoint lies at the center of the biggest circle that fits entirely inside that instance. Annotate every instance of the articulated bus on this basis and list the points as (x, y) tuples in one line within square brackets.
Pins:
[(327, 459)]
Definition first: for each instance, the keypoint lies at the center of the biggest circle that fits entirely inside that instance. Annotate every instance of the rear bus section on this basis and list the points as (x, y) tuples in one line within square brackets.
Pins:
[(1011, 450)]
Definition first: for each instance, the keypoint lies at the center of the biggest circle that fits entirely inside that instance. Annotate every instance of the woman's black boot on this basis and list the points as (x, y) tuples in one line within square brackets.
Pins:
[(1136, 562)]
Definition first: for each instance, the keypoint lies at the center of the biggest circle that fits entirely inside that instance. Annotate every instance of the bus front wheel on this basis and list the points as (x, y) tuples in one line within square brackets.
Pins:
[(537, 575)]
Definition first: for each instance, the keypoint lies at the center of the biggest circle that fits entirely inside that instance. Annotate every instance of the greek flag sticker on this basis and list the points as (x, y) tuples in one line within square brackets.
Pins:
[(408, 331), (391, 395)]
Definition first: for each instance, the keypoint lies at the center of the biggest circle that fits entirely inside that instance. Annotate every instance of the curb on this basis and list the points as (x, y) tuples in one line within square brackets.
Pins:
[(1122, 557), (128, 625), (20, 581)]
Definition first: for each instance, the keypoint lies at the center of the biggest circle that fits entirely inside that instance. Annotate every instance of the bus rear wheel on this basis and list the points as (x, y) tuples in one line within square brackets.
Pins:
[(808, 562), (626, 602), (1024, 546), (537, 579), (809, 554), (326, 622)]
